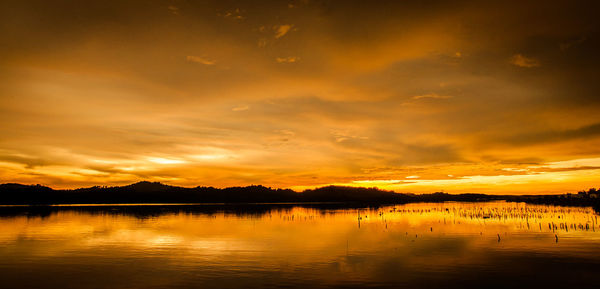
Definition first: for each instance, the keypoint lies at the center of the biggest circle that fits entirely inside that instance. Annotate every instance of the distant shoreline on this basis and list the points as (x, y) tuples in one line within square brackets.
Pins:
[(156, 194)]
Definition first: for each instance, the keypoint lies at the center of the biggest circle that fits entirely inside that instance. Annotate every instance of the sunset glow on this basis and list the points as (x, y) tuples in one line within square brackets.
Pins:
[(460, 97)]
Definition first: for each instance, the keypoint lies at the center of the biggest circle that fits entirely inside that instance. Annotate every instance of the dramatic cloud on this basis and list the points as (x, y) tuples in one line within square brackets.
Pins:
[(415, 96)]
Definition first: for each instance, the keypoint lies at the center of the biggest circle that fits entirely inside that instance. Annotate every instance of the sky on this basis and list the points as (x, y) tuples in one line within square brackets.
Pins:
[(410, 96)]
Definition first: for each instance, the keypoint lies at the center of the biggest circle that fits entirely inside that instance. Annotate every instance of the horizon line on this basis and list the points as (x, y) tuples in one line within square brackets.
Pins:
[(272, 188)]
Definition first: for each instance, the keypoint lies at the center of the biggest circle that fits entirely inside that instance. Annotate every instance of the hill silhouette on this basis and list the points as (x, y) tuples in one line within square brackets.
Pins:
[(154, 192)]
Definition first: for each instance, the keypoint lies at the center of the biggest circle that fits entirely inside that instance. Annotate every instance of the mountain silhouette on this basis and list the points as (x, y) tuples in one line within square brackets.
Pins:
[(145, 186)]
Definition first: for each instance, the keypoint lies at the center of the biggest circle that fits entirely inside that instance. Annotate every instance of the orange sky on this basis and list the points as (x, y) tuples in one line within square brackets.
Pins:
[(460, 96)]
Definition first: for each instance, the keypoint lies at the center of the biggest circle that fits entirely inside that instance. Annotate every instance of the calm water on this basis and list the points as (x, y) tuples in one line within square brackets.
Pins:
[(452, 245)]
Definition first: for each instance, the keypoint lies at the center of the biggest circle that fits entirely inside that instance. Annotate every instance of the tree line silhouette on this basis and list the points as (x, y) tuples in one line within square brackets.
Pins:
[(154, 192)]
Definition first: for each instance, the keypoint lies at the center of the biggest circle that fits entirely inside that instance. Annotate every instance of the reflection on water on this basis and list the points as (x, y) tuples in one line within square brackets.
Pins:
[(451, 245)]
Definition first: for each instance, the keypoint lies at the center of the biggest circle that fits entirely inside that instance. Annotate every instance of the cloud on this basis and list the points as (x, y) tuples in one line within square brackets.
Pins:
[(341, 84), (548, 136), (28, 161), (346, 136), (201, 60), (523, 61), (289, 59), (377, 182), (593, 163), (281, 30), (236, 14), (165, 161), (240, 108), (432, 95)]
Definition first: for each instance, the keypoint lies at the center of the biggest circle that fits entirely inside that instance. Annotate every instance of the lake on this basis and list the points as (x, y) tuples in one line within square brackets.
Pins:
[(426, 245)]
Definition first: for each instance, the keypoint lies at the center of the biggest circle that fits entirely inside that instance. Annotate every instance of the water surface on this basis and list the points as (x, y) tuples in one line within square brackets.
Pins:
[(447, 245)]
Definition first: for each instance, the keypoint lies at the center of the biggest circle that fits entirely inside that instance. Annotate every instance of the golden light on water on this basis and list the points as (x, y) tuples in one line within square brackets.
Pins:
[(288, 227), (444, 243)]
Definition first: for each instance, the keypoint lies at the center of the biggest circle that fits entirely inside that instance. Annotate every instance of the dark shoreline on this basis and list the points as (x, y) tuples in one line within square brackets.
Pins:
[(164, 196)]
